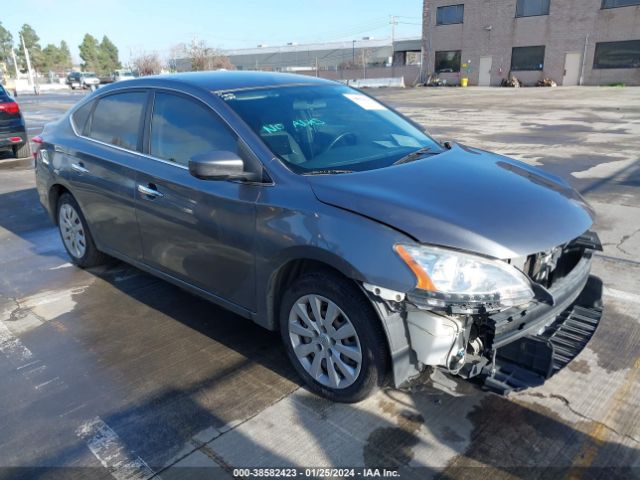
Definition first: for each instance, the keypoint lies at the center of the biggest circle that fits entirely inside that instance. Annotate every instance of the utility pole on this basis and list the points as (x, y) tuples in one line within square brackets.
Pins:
[(364, 64), (393, 21), (353, 52), (317, 72), (15, 62), (26, 56)]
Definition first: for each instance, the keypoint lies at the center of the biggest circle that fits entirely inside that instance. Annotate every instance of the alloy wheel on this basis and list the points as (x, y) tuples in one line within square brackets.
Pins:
[(72, 231), (325, 341)]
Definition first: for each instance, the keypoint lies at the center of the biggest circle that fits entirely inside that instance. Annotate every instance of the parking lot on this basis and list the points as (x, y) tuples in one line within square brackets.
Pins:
[(112, 372)]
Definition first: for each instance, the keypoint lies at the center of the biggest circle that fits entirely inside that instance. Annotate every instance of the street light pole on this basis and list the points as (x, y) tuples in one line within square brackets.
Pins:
[(364, 65), (15, 63), (353, 52), (26, 56)]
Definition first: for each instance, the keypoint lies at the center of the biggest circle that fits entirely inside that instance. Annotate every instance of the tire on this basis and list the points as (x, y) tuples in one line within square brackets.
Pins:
[(325, 369), (75, 234), (22, 151)]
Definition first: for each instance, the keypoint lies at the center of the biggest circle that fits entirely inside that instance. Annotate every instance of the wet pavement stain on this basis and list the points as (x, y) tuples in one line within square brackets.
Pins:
[(516, 441), (396, 442), (580, 366), (449, 435), (609, 333)]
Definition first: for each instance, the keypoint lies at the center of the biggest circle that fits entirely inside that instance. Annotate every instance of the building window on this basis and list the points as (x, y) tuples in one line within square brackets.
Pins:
[(527, 58), (617, 54), (532, 8), (450, 14), (619, 3), (448, 61)]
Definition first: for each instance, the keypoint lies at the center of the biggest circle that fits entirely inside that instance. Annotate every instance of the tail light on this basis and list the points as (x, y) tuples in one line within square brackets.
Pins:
[(11, 108), (38, 141)]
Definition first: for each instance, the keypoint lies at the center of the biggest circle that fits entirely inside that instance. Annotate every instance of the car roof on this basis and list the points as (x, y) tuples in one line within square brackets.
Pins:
[(226, 80)]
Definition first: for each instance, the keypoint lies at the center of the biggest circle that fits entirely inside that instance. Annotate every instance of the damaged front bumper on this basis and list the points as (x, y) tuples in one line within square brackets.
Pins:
[(504, 351)]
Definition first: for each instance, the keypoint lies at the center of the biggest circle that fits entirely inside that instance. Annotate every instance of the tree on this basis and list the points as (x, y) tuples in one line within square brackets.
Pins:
[(6, 44), (147, 64), (90, 53), (108, 56), (65, 56), (205, 58), (56, 58), (29, 39), (50, 55)]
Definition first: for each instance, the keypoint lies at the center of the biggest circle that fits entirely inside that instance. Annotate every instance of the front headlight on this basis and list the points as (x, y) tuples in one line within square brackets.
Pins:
[(449, 277)]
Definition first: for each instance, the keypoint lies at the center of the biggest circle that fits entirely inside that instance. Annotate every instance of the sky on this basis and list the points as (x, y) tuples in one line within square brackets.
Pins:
[(138, 26)]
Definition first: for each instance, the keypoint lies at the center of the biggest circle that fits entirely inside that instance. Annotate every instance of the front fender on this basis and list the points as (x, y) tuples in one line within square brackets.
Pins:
[(358, 247)]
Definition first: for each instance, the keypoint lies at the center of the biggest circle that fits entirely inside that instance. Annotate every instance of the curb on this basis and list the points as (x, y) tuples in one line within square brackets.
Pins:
[(9, 163)]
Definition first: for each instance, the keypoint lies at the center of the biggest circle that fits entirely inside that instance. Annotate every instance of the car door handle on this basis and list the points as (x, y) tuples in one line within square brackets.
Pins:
[(78, 167), (149, 191)]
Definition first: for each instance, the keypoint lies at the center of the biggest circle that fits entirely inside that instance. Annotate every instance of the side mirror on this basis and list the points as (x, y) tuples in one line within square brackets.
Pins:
[(219, 165)]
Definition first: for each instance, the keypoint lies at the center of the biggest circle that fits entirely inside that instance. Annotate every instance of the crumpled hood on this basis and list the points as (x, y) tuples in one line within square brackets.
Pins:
[(467, 199)]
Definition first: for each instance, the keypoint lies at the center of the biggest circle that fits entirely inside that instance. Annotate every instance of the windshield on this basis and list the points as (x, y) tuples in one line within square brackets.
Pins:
[(88, 74), (328, 129)]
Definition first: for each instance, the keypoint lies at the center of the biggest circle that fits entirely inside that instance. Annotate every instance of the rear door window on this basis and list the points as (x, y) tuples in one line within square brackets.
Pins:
[(117, 119), (80, 116), (182, 128)]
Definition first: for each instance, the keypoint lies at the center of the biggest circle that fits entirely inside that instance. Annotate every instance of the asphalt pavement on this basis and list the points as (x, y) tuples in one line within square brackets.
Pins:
[(110, 372)]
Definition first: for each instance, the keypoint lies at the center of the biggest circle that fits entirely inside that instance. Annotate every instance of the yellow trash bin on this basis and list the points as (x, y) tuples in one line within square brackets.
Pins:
[(464, 81)]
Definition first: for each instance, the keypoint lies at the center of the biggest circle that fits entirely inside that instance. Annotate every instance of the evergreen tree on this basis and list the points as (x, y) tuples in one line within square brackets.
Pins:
[(90, 53), (6, 44), (50, 56), (108, 56), (64, 60), (32, 42)]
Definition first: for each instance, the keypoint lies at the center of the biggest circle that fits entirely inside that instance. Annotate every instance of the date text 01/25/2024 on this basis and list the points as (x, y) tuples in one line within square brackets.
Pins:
[(316, 472)]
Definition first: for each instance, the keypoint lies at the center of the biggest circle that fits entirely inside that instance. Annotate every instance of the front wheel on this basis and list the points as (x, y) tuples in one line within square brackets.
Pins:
[(333, 337), (75, 234)]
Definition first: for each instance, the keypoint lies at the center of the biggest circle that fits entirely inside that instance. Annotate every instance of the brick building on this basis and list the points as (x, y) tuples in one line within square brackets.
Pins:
[(590, 42)]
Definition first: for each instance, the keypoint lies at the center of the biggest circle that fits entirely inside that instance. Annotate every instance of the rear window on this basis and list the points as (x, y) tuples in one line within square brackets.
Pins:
[(116, 119), (80, 116)]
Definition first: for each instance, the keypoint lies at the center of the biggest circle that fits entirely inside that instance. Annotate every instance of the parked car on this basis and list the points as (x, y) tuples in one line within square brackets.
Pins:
[(13, 133), (120, 75), (83, 80), (314, 209)]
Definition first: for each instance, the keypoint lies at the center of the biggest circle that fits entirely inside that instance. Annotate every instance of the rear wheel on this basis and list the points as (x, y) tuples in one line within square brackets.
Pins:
[(75, 234), (333, 337), (22, 151)]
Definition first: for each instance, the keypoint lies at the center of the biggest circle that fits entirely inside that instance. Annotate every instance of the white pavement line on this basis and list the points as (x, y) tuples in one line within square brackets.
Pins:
[(106, 446), (13, 348), (64, 265), (622, 295)]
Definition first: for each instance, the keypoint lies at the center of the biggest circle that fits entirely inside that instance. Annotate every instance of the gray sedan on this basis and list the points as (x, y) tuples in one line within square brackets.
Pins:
[(313, 209)]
